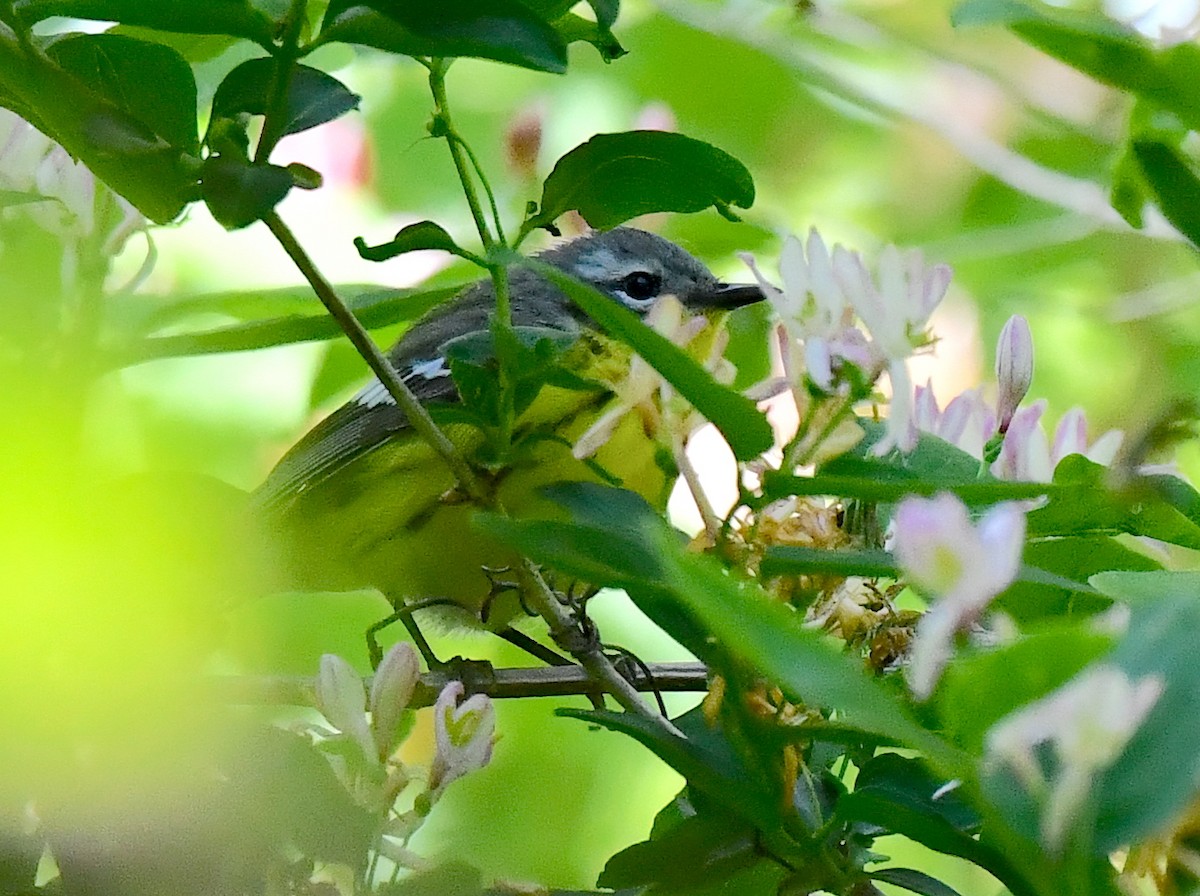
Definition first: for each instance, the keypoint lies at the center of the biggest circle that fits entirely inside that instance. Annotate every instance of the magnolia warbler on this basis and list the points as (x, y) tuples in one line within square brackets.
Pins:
[(362, 501)]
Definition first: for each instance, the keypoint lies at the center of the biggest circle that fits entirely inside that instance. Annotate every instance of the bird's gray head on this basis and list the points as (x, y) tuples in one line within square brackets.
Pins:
[(637, 268)]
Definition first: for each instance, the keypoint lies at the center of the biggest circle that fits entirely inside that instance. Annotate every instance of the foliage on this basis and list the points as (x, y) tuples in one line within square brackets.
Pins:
[(1033, 721)]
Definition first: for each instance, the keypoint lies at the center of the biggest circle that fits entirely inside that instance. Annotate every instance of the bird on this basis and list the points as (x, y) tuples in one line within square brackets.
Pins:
[(362, 502)]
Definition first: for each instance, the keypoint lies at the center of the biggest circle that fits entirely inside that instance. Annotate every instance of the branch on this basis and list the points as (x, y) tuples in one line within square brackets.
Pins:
[(545, 681)]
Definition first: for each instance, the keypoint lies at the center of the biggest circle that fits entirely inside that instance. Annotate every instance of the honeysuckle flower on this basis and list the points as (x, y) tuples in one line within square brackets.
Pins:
[(391, 691), (464, 732), (1027, 455), (1014, 367), (75, 205), (342, 699), (963, 566), (967, 422), (1088, 721), (814, 313)]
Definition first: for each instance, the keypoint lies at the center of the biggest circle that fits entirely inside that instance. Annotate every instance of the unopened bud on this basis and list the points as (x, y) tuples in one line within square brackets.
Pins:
[(391, 692), (1014, 367)]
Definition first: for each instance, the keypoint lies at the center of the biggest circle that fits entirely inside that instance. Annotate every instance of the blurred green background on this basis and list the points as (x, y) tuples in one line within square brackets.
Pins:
[(875, 122)]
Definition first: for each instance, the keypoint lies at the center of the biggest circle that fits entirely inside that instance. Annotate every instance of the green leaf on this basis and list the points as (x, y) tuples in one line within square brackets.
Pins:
[(239, 193), (502, 30), (313, 98), (615, 177), (1075, 559), (412, 238), (119, 148), (235, 17), (1175, 186), (744, 427), (708, 764), (913, 881), (1156, 776), (1082, 504), (700, 850), (9, 198), (617, 539), (151, 82)]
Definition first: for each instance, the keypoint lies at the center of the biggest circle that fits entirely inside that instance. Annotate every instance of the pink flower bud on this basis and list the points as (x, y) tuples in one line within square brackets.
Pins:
[(1014, 367)]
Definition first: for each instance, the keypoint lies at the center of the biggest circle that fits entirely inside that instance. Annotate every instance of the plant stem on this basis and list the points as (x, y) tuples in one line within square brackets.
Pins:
[(437, 86), (417, 416), (286, 54)]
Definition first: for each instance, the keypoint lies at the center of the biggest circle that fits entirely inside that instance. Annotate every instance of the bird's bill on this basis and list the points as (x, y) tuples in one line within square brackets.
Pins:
[(727, 295)]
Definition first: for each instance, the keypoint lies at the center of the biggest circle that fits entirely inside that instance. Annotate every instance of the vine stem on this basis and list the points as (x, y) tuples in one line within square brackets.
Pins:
[(417, 416)]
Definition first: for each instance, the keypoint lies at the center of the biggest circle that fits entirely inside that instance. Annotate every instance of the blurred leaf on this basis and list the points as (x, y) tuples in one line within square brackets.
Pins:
[(313, 97), (235, 17), (980, 688), (120, 149), (1102, 48), (149, 81), (503, 30), (9, 198), (239, 193), (615, 177), (448, 876), (1156, 776), (913, 881), (1173, 183), (373, 306), (744, 427), (1075, 559), (194, 48), (411, 238)]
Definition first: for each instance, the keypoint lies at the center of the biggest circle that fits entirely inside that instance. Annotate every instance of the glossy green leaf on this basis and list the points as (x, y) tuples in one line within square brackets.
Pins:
[(120, 149), (502, 30), (615, 177), (235, 17), (149, 81), (744, 427), (412, 238), (700, 850), (313, 98), (238, 193), (1074, 558)]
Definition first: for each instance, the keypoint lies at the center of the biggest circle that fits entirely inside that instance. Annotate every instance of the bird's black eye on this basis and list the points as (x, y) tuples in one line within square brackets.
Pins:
[(641, 285)]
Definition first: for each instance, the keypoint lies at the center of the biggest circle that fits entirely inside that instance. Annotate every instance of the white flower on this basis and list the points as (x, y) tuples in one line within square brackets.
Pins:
[(342, 699), (963, 565), (464, 734), (1089, 720), (75, 204), (814, 312)]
